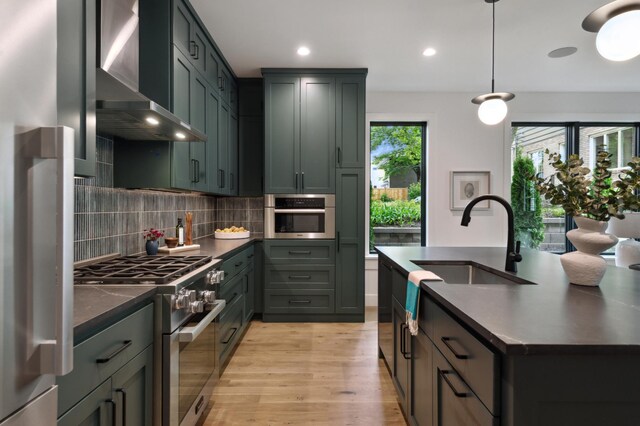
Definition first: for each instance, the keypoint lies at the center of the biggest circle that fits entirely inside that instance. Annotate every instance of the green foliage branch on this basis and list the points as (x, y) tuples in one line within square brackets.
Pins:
[(526, 203)]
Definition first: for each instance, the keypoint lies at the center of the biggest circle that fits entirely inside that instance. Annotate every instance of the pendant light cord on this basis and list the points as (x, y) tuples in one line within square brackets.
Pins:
[(493, 47)]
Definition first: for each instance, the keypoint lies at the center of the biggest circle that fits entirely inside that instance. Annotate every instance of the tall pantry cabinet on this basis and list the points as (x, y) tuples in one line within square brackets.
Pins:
[(314, 144)]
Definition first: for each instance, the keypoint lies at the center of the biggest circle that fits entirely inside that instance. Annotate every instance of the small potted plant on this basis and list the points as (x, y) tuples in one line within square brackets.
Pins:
[(591, 198), (152, 236)]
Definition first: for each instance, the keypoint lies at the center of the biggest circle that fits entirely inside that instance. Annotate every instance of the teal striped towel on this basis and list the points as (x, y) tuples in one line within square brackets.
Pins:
[(412, 304)]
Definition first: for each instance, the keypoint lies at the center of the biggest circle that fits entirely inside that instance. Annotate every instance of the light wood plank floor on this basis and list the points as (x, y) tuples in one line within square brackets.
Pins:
[(306, 374)]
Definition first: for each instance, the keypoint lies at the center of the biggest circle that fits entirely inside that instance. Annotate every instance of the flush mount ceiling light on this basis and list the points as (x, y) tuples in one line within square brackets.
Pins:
[(493, 106), (303, 51), (618, 28), (429, 51)]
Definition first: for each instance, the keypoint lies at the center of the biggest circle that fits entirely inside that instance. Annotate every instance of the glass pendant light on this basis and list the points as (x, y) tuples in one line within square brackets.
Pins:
[(618, 28), (493, 106)]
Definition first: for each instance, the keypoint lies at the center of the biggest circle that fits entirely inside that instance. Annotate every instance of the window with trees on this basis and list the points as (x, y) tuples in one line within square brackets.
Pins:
[(541, 225), (397, 202)]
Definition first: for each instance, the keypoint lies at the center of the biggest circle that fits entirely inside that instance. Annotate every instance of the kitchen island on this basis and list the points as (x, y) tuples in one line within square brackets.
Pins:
[(539, 351)]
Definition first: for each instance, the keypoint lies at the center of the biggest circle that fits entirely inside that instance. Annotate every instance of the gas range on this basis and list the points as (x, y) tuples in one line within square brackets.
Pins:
[(185, 325), (187, 283)]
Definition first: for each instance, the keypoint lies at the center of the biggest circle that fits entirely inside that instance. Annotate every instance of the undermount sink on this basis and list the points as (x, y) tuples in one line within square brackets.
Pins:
[(469, 273)]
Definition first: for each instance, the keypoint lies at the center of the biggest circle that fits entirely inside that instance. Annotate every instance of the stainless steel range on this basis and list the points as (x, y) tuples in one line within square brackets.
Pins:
[(186, 367)]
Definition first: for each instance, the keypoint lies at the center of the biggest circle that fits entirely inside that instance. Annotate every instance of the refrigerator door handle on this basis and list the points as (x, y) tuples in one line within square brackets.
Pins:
[(57, 143)]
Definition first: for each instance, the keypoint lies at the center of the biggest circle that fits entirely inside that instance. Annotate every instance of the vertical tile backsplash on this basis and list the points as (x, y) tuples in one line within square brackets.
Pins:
[(247, 212), (111, 220)]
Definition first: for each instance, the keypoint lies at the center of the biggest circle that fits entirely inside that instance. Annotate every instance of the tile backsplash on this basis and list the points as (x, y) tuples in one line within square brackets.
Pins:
[(112, 220)]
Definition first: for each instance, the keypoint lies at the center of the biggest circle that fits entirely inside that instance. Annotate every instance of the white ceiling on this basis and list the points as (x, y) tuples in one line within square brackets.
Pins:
[(388, 37)]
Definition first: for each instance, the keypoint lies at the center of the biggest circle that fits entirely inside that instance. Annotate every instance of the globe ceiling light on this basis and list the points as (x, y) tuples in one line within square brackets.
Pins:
[(493, 106), (492, 111), (618, 28)]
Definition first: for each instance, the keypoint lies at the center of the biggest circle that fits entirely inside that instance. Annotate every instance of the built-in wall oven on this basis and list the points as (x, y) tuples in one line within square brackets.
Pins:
[(299, 216)]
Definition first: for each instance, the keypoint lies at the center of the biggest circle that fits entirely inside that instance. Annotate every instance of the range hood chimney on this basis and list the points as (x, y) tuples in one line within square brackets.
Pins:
[(121, 110)]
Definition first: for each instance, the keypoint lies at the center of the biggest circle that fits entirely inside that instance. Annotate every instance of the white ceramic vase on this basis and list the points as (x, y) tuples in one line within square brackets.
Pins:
[(628, 251), (585, 266)]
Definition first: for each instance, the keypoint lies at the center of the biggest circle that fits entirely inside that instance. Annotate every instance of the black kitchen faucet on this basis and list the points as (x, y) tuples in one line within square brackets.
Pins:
[(513, 256)]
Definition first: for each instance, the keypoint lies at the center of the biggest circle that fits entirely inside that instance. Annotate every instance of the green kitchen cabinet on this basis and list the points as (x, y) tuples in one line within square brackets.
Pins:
[(76, 79), (314, 123), (299, 134), (112, 378), (133, 390), (282, 134), (251, 138), (350, 241), (189, 37), (190, 92), (233, 154), (350, 118), (224, 119), (96, 409), (249, 292), (317, 135)]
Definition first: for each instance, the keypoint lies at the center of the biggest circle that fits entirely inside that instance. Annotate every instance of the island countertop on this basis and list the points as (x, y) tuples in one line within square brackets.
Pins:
[(551, 316)]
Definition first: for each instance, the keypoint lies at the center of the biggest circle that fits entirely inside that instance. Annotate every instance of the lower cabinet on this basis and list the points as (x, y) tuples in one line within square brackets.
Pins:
[(443, 375), (112, 379), (238, 290)]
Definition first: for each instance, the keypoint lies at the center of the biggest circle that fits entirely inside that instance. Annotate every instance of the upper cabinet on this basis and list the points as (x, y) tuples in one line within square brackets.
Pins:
[(313, 124), (181, 68), (76, 81), (350, 117)]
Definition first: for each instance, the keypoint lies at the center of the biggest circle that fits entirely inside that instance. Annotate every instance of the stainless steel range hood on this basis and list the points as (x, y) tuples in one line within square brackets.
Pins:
[(121, 110)]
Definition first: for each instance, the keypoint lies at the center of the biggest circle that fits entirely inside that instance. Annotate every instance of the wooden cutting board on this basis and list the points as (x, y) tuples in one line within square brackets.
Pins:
[(167, 250)]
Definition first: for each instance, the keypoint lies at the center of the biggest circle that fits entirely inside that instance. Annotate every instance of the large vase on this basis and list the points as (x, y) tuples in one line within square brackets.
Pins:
[(152, 247), (585, 266)]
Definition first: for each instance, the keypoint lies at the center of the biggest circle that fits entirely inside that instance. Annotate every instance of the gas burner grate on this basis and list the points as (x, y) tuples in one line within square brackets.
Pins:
[(139, 269)]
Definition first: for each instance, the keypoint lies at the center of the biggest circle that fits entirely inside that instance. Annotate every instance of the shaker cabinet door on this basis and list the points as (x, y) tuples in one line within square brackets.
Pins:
[(317, 135), (282, 134)]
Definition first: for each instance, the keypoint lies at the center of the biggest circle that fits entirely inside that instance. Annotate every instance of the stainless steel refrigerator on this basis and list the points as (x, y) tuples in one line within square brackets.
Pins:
[(36, 215)]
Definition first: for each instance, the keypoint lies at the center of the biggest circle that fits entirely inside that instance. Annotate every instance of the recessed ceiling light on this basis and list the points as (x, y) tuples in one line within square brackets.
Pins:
[(303, 51), (153, 121), (429, 51), (562, 52), (180, 135)]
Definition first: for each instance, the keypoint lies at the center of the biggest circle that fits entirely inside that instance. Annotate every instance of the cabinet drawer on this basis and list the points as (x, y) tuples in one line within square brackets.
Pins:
[(299, 301), (231, 289), (399, 286), (456, 402), (228, 329), (473, 361), (300, 277), (318, 252), (97, 358), (237, 263)]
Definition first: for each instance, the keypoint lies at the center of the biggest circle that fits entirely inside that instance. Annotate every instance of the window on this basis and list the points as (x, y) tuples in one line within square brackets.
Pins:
[(616, 141), (397, 186), (538, 224), (529, 141)]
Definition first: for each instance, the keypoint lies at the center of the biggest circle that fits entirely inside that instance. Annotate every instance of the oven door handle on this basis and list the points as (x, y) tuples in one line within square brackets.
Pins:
[(300, 211), (189, 334)]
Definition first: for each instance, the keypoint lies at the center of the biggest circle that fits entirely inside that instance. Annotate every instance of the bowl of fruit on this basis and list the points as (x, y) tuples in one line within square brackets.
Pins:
[(232, 233)]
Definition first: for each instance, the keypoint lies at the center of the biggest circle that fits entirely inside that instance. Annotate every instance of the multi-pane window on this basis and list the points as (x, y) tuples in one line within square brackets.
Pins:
[(585, 139), (616, 141)]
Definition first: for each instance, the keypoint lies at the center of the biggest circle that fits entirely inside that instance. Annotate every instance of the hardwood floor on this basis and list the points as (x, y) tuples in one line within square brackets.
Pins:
[(306, 374)]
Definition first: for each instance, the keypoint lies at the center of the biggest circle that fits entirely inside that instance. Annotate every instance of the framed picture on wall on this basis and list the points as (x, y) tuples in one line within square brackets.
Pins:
[(465, 186)]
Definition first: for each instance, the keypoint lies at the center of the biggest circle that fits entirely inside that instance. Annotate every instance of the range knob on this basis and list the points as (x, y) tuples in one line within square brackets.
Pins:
[(214, 277), (181, 301), (209, 296), (191, 294), (196, 306)]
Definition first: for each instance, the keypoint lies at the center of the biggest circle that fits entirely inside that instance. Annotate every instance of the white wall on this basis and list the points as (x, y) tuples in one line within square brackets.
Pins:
[(457, 140)]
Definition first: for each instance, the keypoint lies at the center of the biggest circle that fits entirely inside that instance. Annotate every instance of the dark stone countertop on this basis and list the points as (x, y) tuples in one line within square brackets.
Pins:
[(551, 317), (96, 305)]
